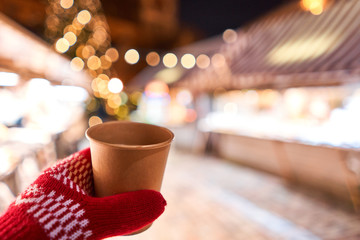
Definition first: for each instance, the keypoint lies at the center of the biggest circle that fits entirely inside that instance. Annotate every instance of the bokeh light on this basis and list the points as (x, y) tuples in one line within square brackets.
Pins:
[(66, 4), (316, 7), (132, 56), (94, 63), (191, 115), (218, 60), (105, 62), (152, 59), (113, 54), (71, 37), (202, 61), (100, 35), (114, 101), (188, 61), (71, 28), (104, 77), (115, 85), (62, 45), (122, 112), (94, 120), (170, 60), (135, 97), (87, 51), (84, 17), (77, 64), (229, 36), (156, 88)]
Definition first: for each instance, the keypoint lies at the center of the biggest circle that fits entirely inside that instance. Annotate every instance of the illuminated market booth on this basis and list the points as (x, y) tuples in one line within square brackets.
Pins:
[(42, 107), (281, 95)]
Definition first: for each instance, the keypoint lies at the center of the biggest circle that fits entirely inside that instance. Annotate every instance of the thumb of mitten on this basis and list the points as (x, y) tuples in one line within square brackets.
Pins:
[(124, 213)]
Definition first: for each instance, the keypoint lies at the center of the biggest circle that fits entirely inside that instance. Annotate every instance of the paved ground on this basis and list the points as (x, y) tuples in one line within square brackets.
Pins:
[(212, 199)]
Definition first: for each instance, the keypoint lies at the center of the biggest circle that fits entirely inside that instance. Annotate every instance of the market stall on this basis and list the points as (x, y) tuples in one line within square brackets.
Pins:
[(282, 96), (42, 105)]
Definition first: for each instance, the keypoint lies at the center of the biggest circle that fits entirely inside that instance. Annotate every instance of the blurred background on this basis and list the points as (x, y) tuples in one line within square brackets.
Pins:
[(263, 97)]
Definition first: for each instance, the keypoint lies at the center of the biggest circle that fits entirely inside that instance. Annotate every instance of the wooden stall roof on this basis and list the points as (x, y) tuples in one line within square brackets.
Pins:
[(289, 47)]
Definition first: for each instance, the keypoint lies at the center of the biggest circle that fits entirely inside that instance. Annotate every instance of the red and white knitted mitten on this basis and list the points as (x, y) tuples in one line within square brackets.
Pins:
[(59, 205)]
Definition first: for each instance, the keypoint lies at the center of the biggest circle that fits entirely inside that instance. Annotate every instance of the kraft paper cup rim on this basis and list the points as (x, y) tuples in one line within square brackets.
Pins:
[(128, 146)]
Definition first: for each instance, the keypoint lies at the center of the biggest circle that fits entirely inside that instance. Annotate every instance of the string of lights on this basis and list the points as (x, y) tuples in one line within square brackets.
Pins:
[(79, 30)]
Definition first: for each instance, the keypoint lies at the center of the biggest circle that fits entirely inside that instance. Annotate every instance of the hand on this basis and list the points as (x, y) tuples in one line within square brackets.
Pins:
[(60, 205)]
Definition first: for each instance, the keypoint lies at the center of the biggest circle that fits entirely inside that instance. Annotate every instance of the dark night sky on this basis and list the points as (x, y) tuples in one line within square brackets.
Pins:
[(212, 17)]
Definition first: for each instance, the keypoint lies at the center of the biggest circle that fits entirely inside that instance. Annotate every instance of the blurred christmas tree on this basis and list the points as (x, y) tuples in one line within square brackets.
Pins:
[(78, 29)]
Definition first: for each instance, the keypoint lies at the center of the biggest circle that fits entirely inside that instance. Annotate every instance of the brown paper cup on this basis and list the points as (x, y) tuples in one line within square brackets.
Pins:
[(128, 156)]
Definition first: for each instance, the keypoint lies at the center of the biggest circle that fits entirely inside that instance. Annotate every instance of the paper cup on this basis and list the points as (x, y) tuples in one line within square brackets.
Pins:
[(128, 156)]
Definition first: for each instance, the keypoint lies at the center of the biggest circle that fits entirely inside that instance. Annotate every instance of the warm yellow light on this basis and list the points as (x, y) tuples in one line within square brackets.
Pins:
[(156, 88), (115, 85), (122, 112), (188, 61), (132, 56), (295, 100), (71, 37), (79, 51), (93, 42), (94, 63), (177, 113), (84, 17), (109, 110), (304, 48), (71, 28), (87, 51), (100, 35), (229, 36), (105, 62), (66, 4), (62, 45), (170, 60), (94, 120), (77, 64), (218, 60), (115, 101), (101, 85), (77, 25), (316, 7), (152, 59), (104, 77), (113, 54), (202, 61), (169, 75), (94, 85), (135, 97)]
